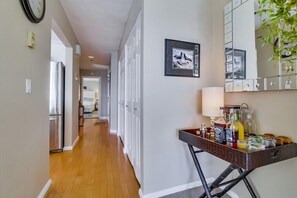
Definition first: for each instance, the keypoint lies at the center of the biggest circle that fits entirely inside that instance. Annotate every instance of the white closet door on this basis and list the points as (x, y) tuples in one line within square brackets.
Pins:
[(121, 95), (133, 93), (133, 98), (128, 102), (137, 99)]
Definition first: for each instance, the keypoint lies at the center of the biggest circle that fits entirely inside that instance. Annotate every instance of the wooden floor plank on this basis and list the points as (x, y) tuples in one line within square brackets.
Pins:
[(95, 168)]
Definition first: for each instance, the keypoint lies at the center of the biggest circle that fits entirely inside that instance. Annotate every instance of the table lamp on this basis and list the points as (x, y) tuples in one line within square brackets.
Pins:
[(212, 100)]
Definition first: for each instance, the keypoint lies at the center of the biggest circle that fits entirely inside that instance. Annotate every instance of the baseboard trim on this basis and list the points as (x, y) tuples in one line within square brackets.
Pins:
[(75, 142), (180, 188), (70, 148), (231, 193), (103, 118), (67, 148), (124, 151), (113, 132), (173, 190), (45, 189)]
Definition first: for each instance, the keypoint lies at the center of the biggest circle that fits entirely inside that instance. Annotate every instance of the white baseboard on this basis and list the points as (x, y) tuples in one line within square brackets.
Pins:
[(181, 188), (70, 148), (75, 142), (231, 193), (113, 132), (45, 189), (67, 148), (174, 189), (103, 118), (124, 151)]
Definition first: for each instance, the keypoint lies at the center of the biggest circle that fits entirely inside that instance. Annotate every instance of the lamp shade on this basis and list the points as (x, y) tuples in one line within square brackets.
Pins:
[(212, 100)]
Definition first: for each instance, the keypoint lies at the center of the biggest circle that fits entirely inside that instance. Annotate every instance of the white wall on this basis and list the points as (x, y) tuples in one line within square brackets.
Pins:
[(171, 103), (24, 121), (58, 53), (92, 85), (274, 112), (114, 93)]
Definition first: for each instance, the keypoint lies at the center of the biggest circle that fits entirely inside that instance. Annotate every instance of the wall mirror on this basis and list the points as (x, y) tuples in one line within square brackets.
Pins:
[(248, 67)]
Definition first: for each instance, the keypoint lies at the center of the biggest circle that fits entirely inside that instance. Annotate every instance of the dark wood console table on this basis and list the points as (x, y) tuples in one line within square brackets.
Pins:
[(244, 161)]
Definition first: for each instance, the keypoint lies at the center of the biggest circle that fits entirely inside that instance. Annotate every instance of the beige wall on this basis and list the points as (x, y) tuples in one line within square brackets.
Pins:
[(171, 103), (274, 112), (24, 123)]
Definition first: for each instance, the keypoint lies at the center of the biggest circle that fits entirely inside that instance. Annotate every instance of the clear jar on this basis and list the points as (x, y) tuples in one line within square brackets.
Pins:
[(249, 124)]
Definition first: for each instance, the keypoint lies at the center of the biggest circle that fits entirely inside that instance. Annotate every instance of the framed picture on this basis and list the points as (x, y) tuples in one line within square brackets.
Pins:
[(182, 58), (235, 69)]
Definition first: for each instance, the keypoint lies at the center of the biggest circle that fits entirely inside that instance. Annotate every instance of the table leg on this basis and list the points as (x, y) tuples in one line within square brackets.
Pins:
[(220, 178), (231, 185), (247, 184), (201, 175), (217, 183)]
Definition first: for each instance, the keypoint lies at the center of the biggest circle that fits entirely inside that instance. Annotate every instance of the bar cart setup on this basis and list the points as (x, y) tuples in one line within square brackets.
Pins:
[(242, 160)]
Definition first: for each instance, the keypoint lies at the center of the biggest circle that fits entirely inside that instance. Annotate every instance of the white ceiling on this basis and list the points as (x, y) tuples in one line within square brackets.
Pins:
[(98, 25)]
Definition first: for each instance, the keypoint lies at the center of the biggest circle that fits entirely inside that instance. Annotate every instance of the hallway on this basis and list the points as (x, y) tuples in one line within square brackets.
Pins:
[(96, 168)]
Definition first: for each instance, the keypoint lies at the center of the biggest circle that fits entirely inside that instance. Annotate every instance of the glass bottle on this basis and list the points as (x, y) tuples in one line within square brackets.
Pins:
[(249, 124), (232, 132), (240, 127), (243, 112), (221, 118), (220, 128)]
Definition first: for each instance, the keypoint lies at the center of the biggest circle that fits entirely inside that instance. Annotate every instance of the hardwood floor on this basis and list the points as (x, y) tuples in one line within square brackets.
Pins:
[(95, 168)]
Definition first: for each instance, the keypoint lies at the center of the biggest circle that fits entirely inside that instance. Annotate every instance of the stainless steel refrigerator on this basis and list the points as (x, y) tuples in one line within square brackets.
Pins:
[(56, 107)]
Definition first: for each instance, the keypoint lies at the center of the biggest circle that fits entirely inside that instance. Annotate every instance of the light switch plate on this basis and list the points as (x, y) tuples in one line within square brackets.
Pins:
[(31, 42), (28, 86)]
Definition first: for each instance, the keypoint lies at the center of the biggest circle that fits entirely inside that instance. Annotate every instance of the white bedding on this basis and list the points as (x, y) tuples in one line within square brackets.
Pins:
[(89, 104)]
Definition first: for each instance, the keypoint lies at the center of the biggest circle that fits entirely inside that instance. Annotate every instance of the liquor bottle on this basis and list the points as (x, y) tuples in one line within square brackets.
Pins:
[(220, 128), (249, 124), (232, 132), (240, 127)]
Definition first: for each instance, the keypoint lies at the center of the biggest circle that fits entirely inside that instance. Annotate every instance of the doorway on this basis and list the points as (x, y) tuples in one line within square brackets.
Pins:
[(91, 97), (62, 53), (57, 94)]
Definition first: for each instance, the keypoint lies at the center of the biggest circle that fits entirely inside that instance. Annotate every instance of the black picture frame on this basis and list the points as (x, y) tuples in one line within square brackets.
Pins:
[(235, 64), (182, 58)]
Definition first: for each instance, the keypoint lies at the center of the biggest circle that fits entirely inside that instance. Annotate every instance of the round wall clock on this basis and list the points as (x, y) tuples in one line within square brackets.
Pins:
[(34, 9)]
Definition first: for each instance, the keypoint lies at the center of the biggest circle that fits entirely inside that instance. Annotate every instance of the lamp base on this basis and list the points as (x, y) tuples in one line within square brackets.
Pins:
[(212, 119)]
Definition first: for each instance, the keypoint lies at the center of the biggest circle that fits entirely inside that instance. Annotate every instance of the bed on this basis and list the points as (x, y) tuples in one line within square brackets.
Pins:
[(89, 105), (89, 101)]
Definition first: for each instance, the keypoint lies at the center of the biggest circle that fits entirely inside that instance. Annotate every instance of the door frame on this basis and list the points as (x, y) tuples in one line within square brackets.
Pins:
[(99, 91)]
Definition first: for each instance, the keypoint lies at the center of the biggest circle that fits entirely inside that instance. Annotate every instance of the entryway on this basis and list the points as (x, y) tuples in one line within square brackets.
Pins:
[(91, 96)]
